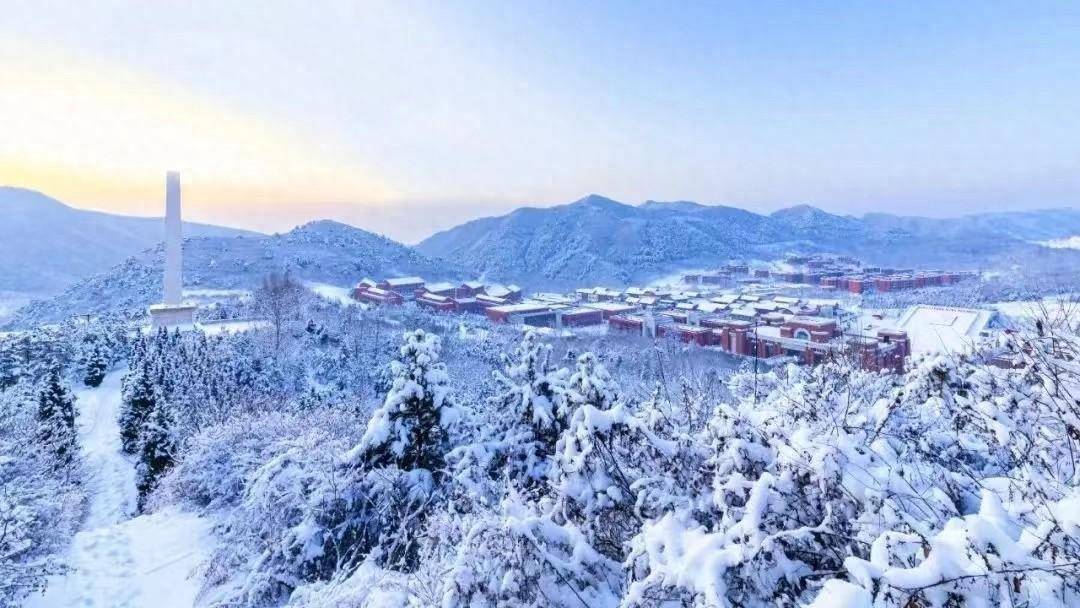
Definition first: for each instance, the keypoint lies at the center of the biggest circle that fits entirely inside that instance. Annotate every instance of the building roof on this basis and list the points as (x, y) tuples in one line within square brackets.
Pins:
[(709, 306), (579, 310), (745, 312), (444, 286), (498, 291), (943, 329), (610, 306), (815, 321), (523, 307), (401, 281)]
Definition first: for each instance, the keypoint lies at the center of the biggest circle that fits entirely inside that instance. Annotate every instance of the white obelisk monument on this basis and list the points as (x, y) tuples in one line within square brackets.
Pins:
[(172, 311)]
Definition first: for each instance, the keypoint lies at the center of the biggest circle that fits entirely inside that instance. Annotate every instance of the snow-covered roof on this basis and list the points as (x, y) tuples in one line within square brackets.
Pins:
[(557, 298), (433, 297), (522, 307), (610, 306), (474, 284), (727, 298), (437, 287), (815, 321), (497, 290), (744, 312), (399, 281), (943, 329)]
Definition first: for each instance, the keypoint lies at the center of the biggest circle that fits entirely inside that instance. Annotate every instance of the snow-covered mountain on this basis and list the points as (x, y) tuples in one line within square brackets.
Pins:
[(598, 240), (322, 251), (45, 245)]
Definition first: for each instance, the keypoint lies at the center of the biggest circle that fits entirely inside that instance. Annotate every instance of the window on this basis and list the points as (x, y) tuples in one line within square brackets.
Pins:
[(802, 334)]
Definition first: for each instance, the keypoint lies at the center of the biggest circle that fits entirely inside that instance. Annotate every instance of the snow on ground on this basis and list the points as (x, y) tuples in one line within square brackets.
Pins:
[(217, 293), (1072, 242), (115, 561), (332, 293), (1028, 309), (213, 328)]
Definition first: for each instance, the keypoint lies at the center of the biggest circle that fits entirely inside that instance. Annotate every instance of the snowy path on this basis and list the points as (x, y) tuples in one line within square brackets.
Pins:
[(116, 561)]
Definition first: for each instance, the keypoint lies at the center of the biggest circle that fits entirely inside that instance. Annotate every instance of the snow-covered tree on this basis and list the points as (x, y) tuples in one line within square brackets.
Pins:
[(138, 405), (157, 450), (410, 430), (95, 363), (518, 427), (56, 419)]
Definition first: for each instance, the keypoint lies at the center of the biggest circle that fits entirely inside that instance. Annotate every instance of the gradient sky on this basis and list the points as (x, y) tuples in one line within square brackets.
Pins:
[(406, 117)]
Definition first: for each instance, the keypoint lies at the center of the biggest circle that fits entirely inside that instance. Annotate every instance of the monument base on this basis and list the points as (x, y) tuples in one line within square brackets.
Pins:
[(172, 315)]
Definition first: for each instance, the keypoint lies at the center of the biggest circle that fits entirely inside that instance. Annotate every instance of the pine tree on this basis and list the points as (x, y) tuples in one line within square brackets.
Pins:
[(138, 405), (530, 410), (156, 451), (56, 419), (96, 364), (9, 366), (410, 429)]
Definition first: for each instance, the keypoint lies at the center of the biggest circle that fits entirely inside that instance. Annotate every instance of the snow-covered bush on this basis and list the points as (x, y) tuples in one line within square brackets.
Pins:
[(41, 496)]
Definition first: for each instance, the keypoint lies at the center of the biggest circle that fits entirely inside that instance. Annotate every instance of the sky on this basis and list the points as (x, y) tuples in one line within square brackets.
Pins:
[(406, 117)]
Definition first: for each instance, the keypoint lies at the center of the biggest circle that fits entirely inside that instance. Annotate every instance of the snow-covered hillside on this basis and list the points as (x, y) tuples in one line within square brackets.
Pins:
[(598, 240), (45, 245), (323, 252)]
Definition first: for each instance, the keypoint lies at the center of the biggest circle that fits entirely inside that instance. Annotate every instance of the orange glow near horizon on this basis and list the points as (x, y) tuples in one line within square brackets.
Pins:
[(102, 137)]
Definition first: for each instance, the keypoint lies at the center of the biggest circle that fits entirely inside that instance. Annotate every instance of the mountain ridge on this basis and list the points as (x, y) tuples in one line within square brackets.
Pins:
[(596, 239), (47, 245), (323, 251)]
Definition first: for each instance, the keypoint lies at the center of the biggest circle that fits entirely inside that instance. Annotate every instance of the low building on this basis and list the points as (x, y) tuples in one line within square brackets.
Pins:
[(579, 317), (938, 329), (692, 334), (442, 289), (470, 289), (406, 287), (510, 293), (377, 295), (485, 301), (628, 323), (609, 309), (434, 301), (506, 312), (813, 329)]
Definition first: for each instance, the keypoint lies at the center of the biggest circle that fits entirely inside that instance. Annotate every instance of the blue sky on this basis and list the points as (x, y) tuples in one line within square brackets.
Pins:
[(406, 117)]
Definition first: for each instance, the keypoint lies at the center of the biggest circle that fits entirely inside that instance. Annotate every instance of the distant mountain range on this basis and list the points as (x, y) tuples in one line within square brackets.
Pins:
[(322, 251), (45, 245), (597, 240), (97, 261)]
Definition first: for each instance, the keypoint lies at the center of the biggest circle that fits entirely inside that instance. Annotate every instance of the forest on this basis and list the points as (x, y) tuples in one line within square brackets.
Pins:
[(351, 457)]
